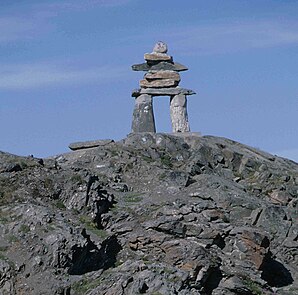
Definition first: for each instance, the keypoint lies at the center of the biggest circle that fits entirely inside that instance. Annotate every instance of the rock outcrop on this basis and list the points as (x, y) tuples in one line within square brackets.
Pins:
[(150, 214)]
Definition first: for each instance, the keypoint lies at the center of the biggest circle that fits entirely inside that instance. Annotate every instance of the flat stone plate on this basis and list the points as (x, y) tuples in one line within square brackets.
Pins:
[(89, 144), (162, 91), (161, 66)]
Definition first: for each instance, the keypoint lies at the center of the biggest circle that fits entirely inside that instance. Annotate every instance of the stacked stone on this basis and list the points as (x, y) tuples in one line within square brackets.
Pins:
[(162, 79), (159, 78)]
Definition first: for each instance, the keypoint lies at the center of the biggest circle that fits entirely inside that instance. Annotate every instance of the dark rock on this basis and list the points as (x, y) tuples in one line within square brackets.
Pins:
[(162, 91), (275, 273), (161, 66), (143, 118)]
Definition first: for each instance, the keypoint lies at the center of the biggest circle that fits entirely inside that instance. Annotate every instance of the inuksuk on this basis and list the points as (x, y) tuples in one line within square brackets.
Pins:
[(162, 79)]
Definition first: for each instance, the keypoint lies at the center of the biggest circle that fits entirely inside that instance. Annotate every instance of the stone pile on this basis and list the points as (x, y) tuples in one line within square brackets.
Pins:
[(162, 79)]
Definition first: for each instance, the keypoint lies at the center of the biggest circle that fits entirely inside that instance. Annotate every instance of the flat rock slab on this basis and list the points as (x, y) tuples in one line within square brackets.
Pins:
[(158, 83), (157, 75), (162, 91), (161, 66), (156, 57), (89, 144), (187, 134)]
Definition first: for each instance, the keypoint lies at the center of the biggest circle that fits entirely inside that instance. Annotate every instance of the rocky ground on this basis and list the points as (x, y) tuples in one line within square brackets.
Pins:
[(151, 214)]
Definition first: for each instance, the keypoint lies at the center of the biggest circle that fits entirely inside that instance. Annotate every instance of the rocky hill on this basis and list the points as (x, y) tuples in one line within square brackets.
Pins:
[(150, 214)]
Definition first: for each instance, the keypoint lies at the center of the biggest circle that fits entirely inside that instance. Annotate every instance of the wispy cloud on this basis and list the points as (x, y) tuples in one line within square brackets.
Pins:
[(78, 4), (228, 36), (113, 3), (15, 28), (31, 76), (38, 17)]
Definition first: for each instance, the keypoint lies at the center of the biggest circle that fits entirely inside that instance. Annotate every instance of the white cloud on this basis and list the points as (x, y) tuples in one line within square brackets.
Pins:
[(291, 154), (30, 76)]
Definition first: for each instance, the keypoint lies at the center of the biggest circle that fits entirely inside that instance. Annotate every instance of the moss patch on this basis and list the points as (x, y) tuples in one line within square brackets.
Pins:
[(253, 287), (60, 205), (24, 228), (133, 197), (91, 226), (84, 285)]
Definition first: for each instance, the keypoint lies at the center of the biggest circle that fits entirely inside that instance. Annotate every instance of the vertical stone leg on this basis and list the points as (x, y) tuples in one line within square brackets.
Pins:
[(143, 118), (178, 111)]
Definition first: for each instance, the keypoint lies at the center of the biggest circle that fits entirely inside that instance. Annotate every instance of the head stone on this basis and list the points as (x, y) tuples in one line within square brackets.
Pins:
[(160, 47)]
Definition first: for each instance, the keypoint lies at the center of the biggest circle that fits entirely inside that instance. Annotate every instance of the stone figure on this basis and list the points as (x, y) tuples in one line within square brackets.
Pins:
[(161, 79)]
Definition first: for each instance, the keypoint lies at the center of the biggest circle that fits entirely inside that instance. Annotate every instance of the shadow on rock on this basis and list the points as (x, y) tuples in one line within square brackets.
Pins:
[(275, 274), (91, 258), (213, 280)]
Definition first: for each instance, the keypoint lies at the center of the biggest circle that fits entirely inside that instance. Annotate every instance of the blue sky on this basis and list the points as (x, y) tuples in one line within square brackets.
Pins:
[(65, 70)]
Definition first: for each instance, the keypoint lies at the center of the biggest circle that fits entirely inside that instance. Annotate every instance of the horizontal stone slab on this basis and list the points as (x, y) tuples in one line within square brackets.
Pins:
[(161, 66), (158, 83), (162, 91), (89, 144), (156, 57), (162, 75)]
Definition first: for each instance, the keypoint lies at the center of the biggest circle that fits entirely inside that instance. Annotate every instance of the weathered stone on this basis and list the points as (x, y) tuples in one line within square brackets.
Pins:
[(213, 214), (255, 215), (143, 118), (162, 79), (280, 197), (162, 92), (178, 109), (256, 246), (89, 144), (160, 47), (151, 241), (6, 278), (235, 285), (162, 83), (161, 66), (162, 75), (157, 57)]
